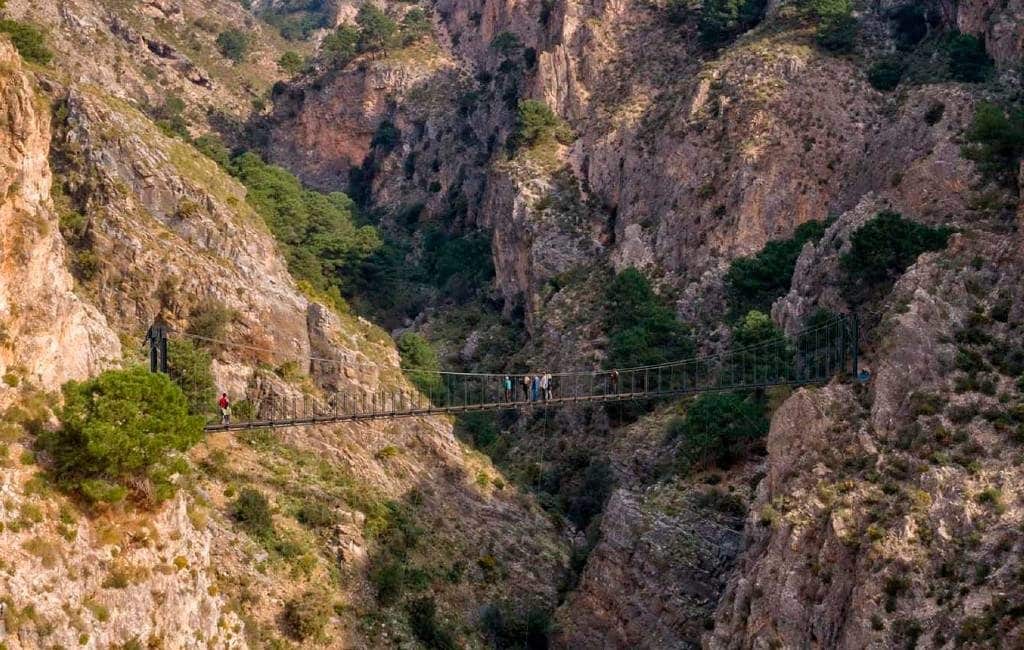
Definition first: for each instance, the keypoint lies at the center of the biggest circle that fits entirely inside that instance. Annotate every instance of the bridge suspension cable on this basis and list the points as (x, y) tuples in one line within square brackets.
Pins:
[(286, 396)]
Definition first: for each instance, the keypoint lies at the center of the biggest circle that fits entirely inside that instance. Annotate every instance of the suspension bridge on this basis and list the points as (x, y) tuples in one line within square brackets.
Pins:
[(812, 356)]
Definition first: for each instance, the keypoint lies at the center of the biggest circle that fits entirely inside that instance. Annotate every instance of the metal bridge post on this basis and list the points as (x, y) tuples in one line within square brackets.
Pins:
[(855, 342)]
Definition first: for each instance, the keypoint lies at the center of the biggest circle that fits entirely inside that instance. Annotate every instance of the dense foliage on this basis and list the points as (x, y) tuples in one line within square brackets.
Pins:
[(189, 368), (305, 616), (233, 44), (425, 625), (291, 62), (376, 28), (321, 242), (536, 124), (837, 26), (420, 360), (885, 75), (642, 330), (28, 40), (252, 510), (756, 282), (968, 60), (723, 20), (341, 46), (882, 249), (717, 427), (122, 431), (771, 356), (996, 141)]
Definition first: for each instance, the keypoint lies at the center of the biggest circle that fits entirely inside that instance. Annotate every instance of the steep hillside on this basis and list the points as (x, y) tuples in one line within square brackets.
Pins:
[(133, 222)]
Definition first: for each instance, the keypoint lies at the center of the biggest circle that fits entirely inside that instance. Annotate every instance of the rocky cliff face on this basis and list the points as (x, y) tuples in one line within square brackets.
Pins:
[(889, 512), (139, 224), (50, 334)]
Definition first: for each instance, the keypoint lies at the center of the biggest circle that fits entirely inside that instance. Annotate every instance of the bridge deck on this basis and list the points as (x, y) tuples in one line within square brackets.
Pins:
[(306, 420)]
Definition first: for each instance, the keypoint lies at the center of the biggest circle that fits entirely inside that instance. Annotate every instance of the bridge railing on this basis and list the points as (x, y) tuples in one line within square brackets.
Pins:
[(287, 395)]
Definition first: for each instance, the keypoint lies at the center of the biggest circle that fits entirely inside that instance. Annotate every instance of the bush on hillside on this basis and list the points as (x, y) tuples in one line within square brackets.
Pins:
[(291, 62), (209, 320), (28, 40), (420, 363), (642, 330), (376, 28), (415, 26), (122, 431), (717, 427), (996, 142), (588, 500), (756, 282), (321, 242), (306, 616), (723, 20), (968, 60), (885, 75), (882, 249), (537, 124), (426, 627), (233, 44), (837, 27), (189, 368), (252, 510), (341, 46), (211, 146), (509, 626), (761, 352)]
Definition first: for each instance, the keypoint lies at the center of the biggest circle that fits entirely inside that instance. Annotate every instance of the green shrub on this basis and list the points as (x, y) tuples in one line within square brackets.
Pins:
[(838, 33), (882, 249), (588, 501), (211, 146), (316, 515), (341, 46), (321, 242), (291, 62), (756, 282), (425, 626), (376, 28), (189, 368), (760, 351), (723, 20), (420, 363), (28, 40), (304, 617), (510, 626), (209, 320), (716, 428), (252, 510), (641, 329), (996, 141), (968, 60), (537, 124), (885, 75), (122, 429), (233, 44), (415, 26), (389, 580)]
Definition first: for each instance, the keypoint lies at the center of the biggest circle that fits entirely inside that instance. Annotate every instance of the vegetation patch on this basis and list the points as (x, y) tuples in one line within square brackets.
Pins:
[(122, 431), (758, 281), (882, 249), (28, 40), (642, 329)]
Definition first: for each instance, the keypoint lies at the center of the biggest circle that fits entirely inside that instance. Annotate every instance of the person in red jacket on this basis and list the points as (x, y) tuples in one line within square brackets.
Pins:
[(225, 408)]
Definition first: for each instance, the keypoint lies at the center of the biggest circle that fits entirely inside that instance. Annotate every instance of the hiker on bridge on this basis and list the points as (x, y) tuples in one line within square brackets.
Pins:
[(507, 385), (535, 388), (613, 378), (545, 386), (526, 388), (225, 408)]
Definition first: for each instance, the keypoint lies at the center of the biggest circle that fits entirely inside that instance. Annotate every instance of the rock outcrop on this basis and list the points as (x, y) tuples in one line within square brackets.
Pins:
[(50, 334)]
